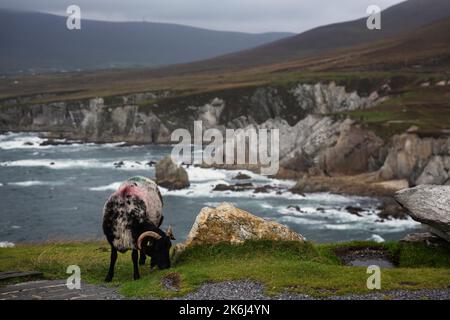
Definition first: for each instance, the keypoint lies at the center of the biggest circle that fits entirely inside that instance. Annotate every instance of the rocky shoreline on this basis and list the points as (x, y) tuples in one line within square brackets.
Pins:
[(331, 151)]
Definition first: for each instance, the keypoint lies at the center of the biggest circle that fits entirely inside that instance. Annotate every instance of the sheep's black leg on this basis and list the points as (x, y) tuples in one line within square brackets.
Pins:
[(152, 264), (135, 256), (142, 258), (112, 263)]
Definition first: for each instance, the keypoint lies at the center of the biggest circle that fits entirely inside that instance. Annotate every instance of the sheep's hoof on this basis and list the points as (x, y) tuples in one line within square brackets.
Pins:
[(136, 277), (108, 278)]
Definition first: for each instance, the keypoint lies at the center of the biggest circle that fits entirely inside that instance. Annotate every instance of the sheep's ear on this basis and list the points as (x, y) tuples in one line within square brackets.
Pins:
[(169, 233)]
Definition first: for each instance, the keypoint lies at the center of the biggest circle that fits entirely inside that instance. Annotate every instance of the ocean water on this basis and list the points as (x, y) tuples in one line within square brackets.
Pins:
[(58, 192)]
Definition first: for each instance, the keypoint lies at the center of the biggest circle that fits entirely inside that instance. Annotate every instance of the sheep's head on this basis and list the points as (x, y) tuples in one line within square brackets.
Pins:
[(157, 244)]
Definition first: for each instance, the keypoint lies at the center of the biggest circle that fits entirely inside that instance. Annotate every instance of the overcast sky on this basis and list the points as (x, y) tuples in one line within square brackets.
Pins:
[(234, 15)]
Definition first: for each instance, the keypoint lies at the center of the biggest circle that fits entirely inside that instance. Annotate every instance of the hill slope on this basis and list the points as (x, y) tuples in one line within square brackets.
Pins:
[(426, 50), (42, 42), (405, 17)]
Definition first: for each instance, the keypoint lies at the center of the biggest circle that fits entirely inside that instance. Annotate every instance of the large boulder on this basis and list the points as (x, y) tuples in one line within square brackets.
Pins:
[(171, 176), (229, 224), (429, 205)]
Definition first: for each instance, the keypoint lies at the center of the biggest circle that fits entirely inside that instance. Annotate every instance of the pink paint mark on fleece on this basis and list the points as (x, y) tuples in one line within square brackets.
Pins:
[(127, 189)]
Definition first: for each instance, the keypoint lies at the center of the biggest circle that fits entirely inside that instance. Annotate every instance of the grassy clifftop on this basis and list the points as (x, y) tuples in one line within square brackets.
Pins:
[(427, 108), (280, 266)]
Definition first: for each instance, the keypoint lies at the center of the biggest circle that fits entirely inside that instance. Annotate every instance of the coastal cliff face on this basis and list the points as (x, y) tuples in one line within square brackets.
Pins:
[(312, 141), (150, 117), (91, 120)]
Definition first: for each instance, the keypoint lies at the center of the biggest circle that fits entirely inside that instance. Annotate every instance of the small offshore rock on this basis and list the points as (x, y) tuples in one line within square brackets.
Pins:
[(171, 176), (242, 176)]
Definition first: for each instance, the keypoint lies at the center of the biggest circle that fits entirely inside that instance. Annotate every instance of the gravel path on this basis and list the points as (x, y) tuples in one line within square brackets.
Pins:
[(242, 290), (229, 290), (56, 290)]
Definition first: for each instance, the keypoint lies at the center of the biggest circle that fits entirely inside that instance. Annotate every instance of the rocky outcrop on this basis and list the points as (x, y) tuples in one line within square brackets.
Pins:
[(241, 176), (420, 160), (429, 205), (425, 237), (210, 113), (171, 176), (389, 210), (356, 151), (330, 98), (320, 144), (437, 171), (363, 184), (229, 224)]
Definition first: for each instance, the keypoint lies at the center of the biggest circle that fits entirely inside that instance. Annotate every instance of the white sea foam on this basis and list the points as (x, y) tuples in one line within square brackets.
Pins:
[(339, 226), (202, 174), (216, 204), (10, 141), (340, 219), (395, 225), (75, 164), (110, 187), (6, 244), (32, 183), (266, 205), (20, 141), (195, 190), (376, 238), (298, 220)]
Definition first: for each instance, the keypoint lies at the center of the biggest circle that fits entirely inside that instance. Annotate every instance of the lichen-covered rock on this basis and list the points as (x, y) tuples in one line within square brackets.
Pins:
[(429, 205), (229, 224), (171, 176)]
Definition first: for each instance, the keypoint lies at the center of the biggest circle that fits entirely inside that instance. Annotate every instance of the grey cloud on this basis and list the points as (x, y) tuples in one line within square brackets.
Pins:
[(236, 15)]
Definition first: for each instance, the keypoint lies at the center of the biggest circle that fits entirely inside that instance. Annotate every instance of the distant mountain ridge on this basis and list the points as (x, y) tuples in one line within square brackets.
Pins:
[(405, 17), (42, 42)]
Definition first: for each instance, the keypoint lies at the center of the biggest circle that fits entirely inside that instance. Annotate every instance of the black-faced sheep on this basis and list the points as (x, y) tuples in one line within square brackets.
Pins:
[(132, 217)]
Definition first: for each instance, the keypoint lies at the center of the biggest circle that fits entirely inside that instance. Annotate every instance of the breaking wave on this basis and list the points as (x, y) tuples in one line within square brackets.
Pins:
[(10, 141), (6, 244), (32, 183), (110, 187), (61, 164)]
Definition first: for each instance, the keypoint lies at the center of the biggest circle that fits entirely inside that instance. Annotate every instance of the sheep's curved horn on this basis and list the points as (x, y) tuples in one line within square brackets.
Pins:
[(151, 234), (169, 233)]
